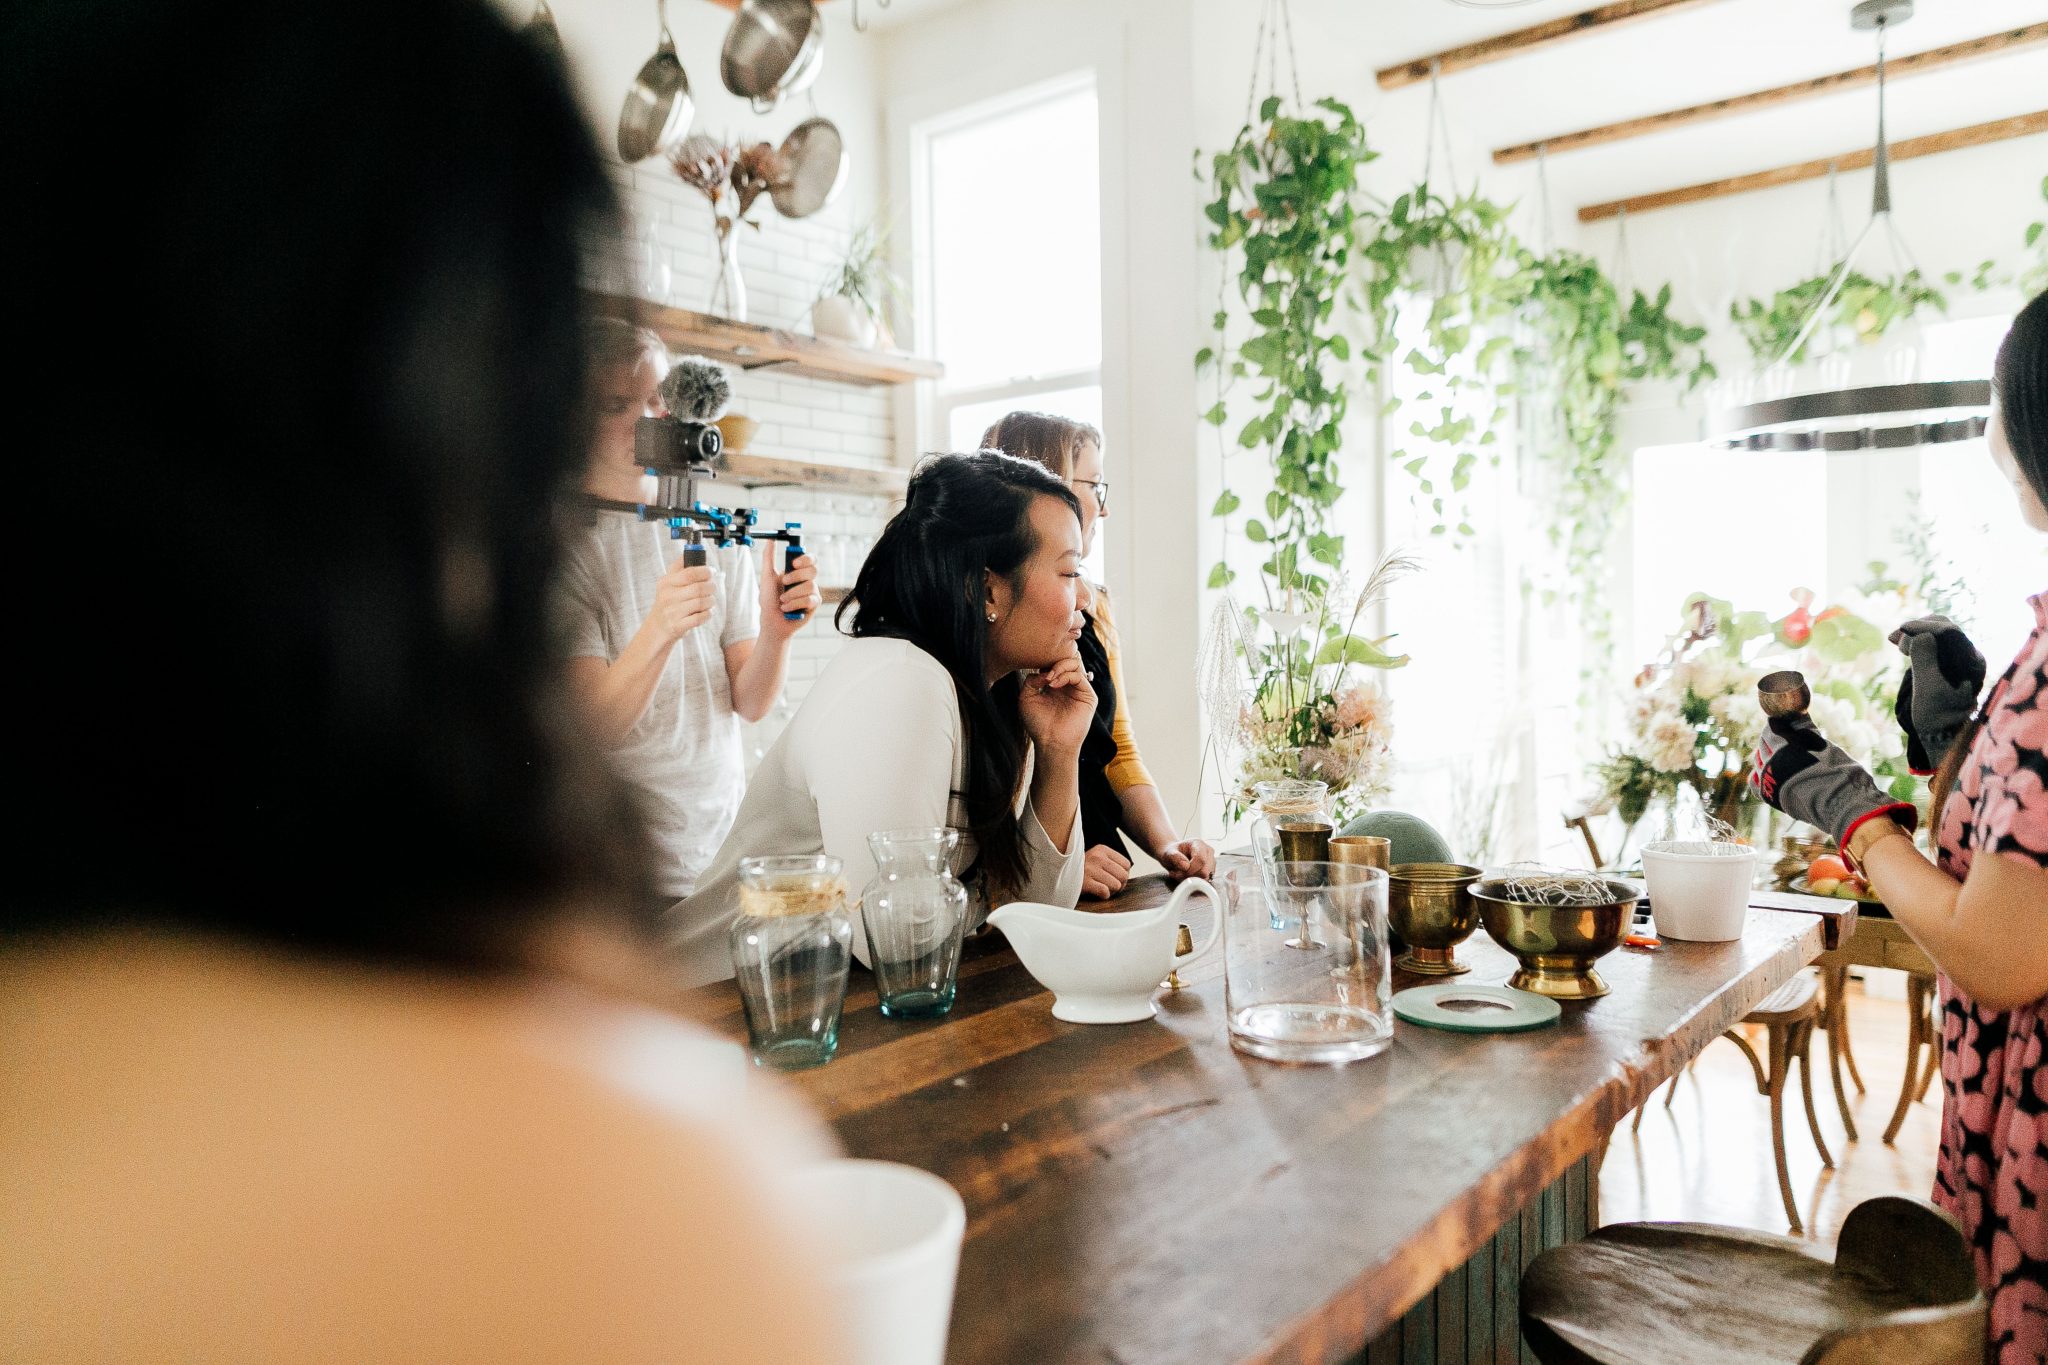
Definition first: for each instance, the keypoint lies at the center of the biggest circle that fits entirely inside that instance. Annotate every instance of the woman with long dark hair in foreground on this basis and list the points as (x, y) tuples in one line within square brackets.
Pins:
[(962, 680), (1981, 909), (317, 1038)]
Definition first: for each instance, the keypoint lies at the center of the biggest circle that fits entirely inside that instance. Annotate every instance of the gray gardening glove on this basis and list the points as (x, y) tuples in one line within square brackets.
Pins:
[(1944, 674), (1810, 779)]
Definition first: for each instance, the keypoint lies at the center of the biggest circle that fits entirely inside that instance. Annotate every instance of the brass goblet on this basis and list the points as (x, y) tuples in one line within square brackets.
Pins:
[(1366, 850), (1556, 945), (1430, 906)]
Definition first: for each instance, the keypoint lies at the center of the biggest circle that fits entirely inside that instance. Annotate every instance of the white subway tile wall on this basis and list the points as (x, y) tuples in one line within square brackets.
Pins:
[(784, 265)]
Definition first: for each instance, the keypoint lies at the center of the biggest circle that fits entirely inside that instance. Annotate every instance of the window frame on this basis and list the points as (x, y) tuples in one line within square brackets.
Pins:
[(942, 397)]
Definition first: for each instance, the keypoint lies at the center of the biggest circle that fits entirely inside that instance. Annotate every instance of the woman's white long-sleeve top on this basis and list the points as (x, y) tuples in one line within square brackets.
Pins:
[(876, 745)]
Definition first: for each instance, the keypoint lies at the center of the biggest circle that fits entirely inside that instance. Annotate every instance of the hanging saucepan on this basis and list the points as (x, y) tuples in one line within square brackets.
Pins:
[(774, 48), (658, 107), (814, 167)]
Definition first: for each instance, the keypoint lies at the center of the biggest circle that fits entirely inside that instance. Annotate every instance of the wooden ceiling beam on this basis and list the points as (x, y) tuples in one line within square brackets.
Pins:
[(1976, 135), (1895, 68), (1522, 41)]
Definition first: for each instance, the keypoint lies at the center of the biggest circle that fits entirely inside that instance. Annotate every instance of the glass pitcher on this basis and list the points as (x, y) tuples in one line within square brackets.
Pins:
[(791, 945), (914, 914)]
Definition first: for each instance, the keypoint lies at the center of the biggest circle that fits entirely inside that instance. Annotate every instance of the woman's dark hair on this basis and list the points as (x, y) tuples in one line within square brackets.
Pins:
[(288, 564), (2019, 389), (964, 517)]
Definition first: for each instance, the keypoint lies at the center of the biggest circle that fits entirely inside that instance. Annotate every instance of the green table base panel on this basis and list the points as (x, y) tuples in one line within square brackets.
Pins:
[(1474, 1315)]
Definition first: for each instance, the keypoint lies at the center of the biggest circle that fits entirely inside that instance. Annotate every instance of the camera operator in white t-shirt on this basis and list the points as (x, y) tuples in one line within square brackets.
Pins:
[(670, 658)]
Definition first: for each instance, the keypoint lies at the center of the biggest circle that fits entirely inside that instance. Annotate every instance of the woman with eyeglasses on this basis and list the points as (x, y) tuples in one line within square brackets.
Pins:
[(1117, 795)]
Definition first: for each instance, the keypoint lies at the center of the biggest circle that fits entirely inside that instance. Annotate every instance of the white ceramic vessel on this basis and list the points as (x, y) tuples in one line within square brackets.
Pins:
[(1697, 894), (1103, 968)]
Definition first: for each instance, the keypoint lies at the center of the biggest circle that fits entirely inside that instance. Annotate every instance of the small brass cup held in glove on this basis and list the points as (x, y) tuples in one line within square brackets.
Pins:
[(1784, 693)]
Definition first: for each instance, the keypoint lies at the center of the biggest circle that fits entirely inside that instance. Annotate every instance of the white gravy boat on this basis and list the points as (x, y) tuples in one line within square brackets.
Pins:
[(1103, 968)]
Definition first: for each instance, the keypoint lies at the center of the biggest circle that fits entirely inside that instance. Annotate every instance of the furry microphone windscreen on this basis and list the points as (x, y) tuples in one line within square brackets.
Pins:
[(697, 388)]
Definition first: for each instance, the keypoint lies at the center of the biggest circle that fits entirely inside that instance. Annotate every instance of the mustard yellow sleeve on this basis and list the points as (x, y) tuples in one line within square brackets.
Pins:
[(1126, 769)]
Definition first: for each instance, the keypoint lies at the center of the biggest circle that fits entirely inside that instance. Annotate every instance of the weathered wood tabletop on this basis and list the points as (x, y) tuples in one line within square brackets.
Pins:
[(1141, 1192)]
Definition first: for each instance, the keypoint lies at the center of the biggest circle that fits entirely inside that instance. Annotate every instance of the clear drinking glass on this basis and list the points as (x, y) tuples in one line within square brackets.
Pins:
[(914, 914), (1307, 975), (791, 946)]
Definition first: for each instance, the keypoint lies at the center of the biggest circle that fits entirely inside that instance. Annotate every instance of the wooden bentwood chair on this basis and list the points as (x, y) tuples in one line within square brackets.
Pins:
[(1789, 1016), (1901, 1290)]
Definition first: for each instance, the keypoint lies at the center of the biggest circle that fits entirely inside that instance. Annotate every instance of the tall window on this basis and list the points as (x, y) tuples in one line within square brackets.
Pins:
[(1010, 222), (1752, 527)]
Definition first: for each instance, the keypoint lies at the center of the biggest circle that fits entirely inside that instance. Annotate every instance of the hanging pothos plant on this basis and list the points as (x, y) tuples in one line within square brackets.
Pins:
[(1582, 349), (1864, 310), (2033, 276), (1284, 202), (1452, 258)]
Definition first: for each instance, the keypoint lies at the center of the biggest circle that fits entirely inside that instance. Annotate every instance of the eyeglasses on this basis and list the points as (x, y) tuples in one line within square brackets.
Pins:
[(1101, 490)]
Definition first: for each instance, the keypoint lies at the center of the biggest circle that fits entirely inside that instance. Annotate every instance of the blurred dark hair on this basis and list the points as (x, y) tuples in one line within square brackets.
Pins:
[(2019, 388), (964, 517), (289, 565)]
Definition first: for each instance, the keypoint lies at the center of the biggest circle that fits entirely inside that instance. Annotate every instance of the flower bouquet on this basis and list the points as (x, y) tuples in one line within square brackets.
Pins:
[(1288, 697), (1693, 721)]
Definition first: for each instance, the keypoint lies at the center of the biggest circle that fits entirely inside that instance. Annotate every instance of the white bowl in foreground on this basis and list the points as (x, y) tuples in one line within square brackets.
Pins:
[(889, 1236), (1699, 891)]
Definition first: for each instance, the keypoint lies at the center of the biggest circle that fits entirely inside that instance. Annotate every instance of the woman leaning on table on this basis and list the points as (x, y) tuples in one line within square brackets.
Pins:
[(1117, 794), (1981, 909), (321, 937), (960, 701)]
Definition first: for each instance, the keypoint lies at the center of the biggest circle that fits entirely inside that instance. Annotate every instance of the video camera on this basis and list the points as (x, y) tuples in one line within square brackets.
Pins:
[(678, 451), (678, 445)]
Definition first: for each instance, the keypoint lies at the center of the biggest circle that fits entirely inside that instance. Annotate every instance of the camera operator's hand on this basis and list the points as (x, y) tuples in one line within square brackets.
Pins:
[(683, 599), (796, 590)]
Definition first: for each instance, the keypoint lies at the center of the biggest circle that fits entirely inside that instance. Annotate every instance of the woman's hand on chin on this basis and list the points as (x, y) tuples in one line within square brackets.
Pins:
[(1056, 704)]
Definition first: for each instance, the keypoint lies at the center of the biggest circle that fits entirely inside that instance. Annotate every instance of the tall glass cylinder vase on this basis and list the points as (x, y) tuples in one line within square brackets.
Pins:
[(729, 294)]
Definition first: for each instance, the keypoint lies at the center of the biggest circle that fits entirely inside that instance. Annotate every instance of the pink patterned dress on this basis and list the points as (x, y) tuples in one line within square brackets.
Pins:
[(1993, 1169)]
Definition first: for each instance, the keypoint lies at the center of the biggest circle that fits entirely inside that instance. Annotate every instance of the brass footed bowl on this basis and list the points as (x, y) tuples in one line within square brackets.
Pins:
[(1557, 945), (1430, 907)]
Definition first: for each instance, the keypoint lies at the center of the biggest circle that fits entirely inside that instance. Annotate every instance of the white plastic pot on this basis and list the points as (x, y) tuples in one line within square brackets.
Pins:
[(841, 319), (1699, 891)]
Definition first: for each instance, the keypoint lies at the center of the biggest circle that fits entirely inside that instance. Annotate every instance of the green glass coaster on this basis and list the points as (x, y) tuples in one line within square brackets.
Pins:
[(1475, 1009)]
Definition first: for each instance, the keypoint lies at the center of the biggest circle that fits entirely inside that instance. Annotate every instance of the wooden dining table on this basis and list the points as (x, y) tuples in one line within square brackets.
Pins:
[(1143, 1193)]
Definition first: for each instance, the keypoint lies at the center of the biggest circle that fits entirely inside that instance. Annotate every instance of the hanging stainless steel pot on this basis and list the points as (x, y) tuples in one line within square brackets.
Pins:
[(541, 31), (658, 108), (774, 48), (813, 168)]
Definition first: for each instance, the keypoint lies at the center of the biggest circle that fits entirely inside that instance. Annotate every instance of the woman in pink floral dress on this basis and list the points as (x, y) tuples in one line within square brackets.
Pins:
[(1981, 910)]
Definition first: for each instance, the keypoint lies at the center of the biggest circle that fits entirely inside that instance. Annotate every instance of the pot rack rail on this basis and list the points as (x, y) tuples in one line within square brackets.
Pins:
[(1976, 135)]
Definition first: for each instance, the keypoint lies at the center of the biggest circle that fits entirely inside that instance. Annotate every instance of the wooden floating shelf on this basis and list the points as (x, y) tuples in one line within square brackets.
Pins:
[(750, 346), (762, 471)]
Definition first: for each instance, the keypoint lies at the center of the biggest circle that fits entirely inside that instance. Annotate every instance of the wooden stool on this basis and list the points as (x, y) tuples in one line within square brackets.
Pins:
[(1788, 1016), (1901, 1290)]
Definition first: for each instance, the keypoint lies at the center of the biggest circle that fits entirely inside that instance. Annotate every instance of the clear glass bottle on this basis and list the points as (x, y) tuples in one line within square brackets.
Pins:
[(1294, 822), (791, 946), (914, 914)]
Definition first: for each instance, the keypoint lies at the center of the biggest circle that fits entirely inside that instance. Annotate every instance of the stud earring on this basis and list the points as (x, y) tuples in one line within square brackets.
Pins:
[(991, 618)]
